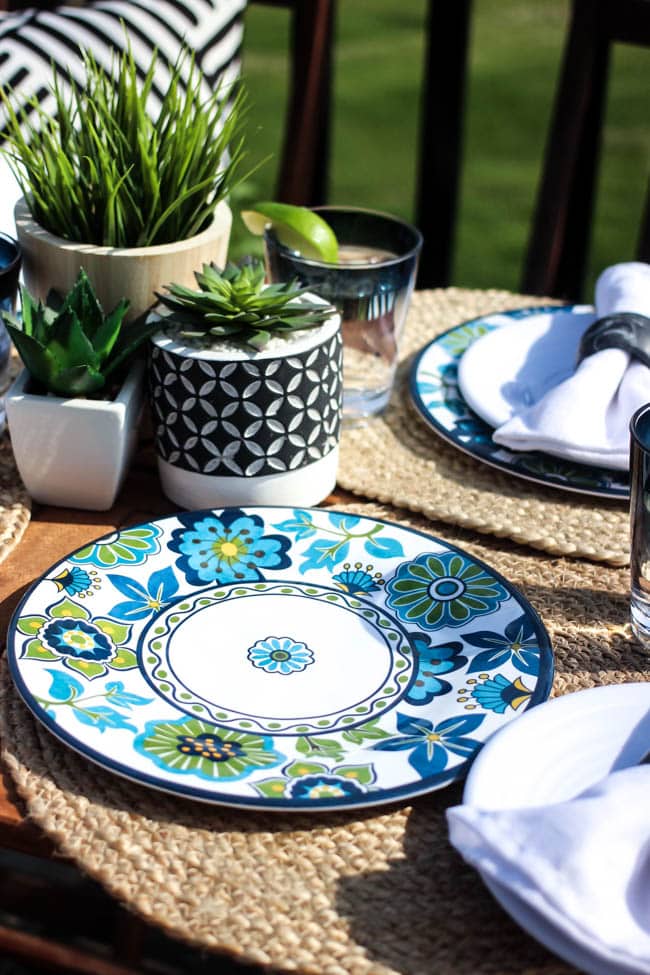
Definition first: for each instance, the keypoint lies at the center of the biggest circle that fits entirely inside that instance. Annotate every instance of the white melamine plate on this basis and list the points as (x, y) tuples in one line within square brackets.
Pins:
[(278, 658), (495, 381)]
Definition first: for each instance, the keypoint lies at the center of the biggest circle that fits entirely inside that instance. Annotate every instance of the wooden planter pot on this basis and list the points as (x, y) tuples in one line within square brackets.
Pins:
[(135, 273)]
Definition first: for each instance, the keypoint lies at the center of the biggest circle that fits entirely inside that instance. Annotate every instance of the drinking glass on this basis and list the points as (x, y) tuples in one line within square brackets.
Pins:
[(10, 261), (370, 285), (640, 523)]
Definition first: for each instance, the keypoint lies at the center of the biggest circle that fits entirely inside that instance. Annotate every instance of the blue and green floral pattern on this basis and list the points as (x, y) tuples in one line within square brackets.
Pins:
[(432, 662), (311, 782), (443, 590), (67, 634), (230, 547), (130, 546), (441, 405), (498, 693), (192, 747), (280, 655), (77, 581), (279, 658)]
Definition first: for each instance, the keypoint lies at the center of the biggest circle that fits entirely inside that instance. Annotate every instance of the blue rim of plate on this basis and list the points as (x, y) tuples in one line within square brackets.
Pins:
[(502, 676), (437, 398)]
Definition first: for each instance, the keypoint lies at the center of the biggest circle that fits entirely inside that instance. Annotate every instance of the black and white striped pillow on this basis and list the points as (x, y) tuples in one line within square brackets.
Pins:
[(32, 40)]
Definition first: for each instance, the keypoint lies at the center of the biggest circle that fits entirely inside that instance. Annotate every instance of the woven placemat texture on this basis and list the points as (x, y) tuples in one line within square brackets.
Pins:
[(373, 892), (15, 502), (397, 459)]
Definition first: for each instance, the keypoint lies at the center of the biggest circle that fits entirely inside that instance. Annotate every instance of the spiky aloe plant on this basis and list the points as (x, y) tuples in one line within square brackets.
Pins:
[(100, 170), (234, 304), (70, 347)]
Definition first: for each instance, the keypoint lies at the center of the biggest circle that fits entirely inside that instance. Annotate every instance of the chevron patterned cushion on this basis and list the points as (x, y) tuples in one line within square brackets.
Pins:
[(31, 40)]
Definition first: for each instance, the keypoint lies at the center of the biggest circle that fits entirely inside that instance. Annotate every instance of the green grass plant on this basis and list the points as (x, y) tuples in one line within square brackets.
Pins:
[(102, 171)]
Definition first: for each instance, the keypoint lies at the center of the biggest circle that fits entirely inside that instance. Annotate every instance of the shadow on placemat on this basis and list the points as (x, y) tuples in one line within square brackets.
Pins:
[(429, 905)]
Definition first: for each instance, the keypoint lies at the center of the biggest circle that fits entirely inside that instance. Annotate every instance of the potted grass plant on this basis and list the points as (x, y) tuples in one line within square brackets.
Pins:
[(73, 411), (136, 201), (245, 390)]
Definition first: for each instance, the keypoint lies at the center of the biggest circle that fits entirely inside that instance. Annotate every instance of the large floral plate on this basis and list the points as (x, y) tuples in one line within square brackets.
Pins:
[(440, 403), (276, 657)]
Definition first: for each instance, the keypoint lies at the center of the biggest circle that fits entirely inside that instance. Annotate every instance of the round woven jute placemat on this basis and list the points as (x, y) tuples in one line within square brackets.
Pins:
[(15, 502), (396, 458), (372, 892)]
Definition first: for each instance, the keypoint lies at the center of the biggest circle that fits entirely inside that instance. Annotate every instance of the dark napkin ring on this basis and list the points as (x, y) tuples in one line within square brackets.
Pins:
[(624, 330)]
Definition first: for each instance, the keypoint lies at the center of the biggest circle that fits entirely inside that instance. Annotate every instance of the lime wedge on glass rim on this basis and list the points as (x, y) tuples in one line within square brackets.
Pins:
[(298, 228)]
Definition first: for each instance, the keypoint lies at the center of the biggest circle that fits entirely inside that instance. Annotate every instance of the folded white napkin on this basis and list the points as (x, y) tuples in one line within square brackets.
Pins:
[(584, 865), (586, 418)]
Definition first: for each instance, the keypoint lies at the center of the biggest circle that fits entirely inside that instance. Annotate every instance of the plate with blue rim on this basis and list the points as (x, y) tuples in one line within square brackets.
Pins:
[(278, 658), (439, 402)]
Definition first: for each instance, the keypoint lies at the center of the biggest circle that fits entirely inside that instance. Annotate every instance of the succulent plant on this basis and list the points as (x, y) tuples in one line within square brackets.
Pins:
[(235, 304), (69, 346)]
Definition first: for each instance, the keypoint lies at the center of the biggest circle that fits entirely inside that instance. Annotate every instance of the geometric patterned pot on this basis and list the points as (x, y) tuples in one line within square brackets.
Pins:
[(245, 427)]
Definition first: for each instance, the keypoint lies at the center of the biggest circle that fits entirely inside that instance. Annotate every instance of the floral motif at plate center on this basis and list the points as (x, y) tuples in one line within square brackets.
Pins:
[(215, 655)]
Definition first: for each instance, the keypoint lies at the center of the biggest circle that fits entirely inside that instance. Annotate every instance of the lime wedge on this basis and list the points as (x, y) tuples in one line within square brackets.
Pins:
[(298, 228)]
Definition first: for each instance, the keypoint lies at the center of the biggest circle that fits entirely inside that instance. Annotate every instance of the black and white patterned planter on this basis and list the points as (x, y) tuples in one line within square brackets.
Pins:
[(241, 427)]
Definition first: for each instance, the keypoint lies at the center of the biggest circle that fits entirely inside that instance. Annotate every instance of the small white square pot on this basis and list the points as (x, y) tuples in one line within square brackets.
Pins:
[(234, 426), (74, 452)]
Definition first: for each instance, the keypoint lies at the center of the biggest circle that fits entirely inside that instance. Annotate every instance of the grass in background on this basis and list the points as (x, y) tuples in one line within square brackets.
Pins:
[(515, 55)]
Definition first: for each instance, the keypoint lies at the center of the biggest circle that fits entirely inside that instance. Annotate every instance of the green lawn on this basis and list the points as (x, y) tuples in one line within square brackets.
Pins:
[(514, 60)]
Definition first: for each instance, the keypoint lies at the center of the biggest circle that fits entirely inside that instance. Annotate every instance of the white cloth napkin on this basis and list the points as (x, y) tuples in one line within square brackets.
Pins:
[(584, 865), (586, 418)]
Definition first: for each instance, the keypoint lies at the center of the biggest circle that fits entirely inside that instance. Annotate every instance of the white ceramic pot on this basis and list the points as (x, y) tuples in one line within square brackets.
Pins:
[(243, 427), (135, 273), (74, 452)]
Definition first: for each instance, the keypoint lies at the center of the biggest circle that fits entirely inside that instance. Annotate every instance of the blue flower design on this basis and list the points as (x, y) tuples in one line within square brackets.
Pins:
[(443, 590), (431, 744), (431, 662), (230, 547), (357, 581), (77, 638), (498, 694), (280, 655), (519, 644), (76, 581), (161, 586), (474, 429), (324, 787)]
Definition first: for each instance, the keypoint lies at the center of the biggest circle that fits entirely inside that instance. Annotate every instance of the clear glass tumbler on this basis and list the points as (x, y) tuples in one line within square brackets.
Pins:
[(640, 523), (371, 286)]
